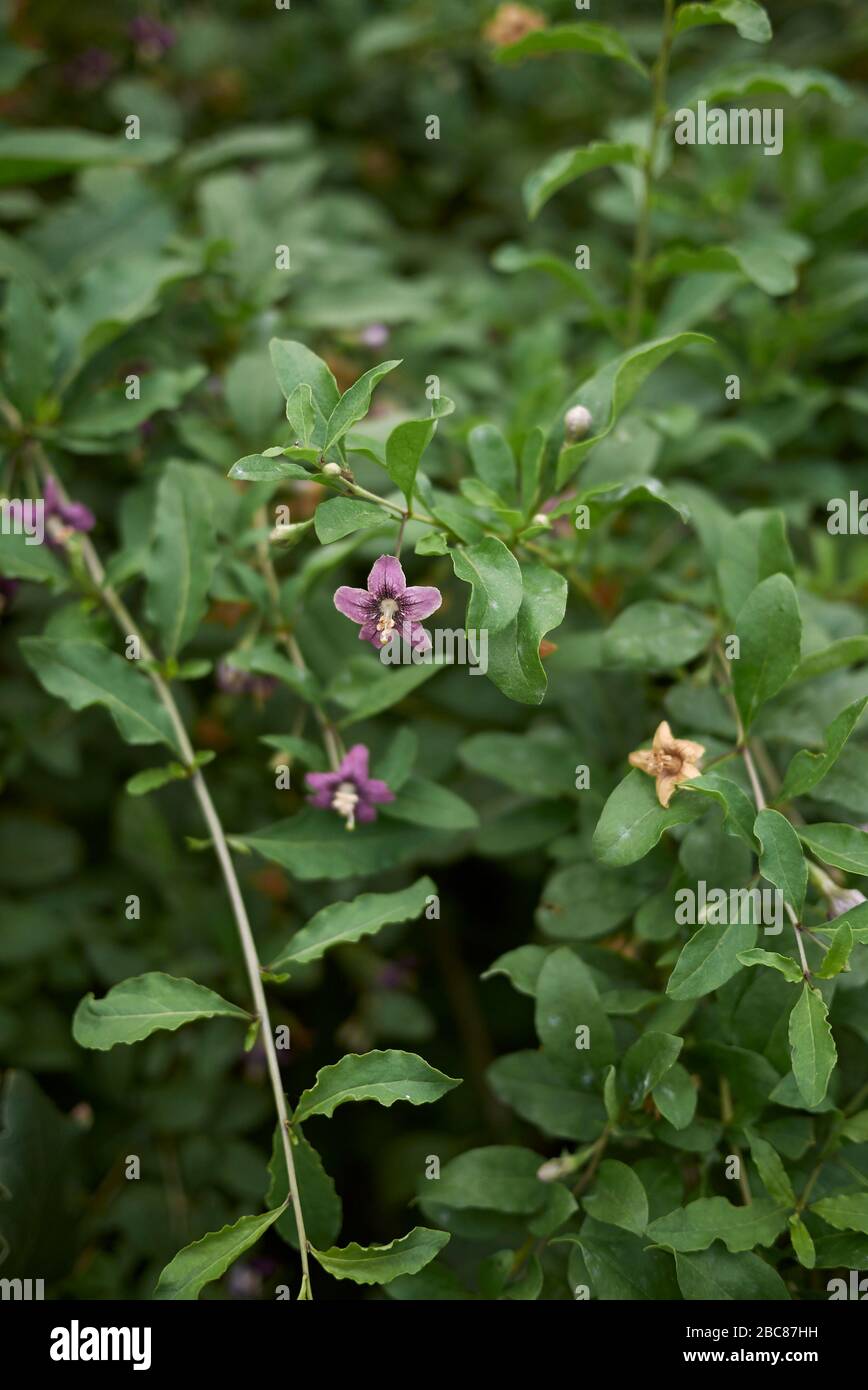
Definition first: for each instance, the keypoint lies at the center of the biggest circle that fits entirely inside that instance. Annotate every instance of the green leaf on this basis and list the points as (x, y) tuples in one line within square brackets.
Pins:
[(341, 516), (747, 17), (94, 417), (748, 79), (715, 1275), (608, 393), (340, 923), (135, 1008), (493, 460), (499, 1178), (355, 403), (656, 636), (404, 449), (807, 769), (296, 365), (769, 628), (21, 560), (675, 1097), (846, 1211), (739, 812), (152, 778), (272, 468), (85, 673), (40, 1197), (209, 1258), (856, 1128), (694, 1227), (803, 1244), (301, 413), (847, 651), (751, 547), (566, 1001), (366, 687), (381, 1076), (567, 165), (586, 37), (181, 557), (645, 1064), (493, 573), (320, 1204), (378, 1264), (28, 156), (775, 1178), (314, 844), (633, 820), (768, 260), (618, 1198), (620, 1266), (812, 1046), (514, 664), (781, 859), (843, 846), (787, 967), (29, 347), (541, 1094), (837, 957), (709, 959), (422, 802)]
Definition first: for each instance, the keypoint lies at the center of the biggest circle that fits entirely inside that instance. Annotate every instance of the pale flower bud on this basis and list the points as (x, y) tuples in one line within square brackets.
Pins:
[(577, 421), (332, 470)]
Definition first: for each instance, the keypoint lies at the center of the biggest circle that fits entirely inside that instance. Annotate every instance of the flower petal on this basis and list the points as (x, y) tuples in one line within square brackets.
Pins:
[(643, 758), (666, 784), (689, 752), (386, 579), (415, 634), (365, 813), (368, 633), (375, 790), (662, 736), (355, 765), (420, 601), (356, 604), (323, 783)]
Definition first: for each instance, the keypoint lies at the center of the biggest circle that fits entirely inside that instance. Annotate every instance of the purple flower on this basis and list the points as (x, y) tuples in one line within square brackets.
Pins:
[(234, 680), (376, 335), (8, 590), (89, 70), (388, 607), (63, 518), (152, 38), (349, 790)]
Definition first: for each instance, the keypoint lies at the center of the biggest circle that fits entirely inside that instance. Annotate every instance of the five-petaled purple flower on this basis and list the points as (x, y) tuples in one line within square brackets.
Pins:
[(62, 518), (349, 790), (387, 607)]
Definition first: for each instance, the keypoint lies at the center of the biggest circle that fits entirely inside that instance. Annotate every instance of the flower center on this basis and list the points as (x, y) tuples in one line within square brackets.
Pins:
[(345, 801), (386, 620)]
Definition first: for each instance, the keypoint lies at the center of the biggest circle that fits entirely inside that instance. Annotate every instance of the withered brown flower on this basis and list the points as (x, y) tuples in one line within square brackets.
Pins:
[(670, 760), (511, 23)]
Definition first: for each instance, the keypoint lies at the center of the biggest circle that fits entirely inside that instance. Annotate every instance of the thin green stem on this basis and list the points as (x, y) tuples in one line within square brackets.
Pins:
[(129, 628), (642, 241)]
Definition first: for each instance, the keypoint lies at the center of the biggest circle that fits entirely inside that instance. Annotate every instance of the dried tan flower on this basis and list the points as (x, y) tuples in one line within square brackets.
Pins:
[(670, 760), (511, 23)]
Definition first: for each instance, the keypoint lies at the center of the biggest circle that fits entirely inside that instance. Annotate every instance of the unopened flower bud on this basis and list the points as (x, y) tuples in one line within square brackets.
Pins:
[(540, 520), (577, 421), (332, 470), (844, 900), (555, 1168)]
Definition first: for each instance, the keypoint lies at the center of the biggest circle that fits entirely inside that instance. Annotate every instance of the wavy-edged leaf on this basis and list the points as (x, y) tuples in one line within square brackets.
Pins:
[(378, 1264), (812, 1046), (85, 673), (495, 580), (381, 1076), (587, 37), (207, 1259), (633, 820), (142, 1005), (340, 923), (568, 165)]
